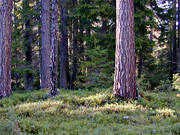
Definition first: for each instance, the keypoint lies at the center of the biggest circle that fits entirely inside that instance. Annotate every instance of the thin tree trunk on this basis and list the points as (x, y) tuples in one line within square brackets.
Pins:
[(81, 41), (140, 64), (54, 48), (75, 49), (87, 45), (174, 50), (125, 67), (5, 47), (63, 46), (178, 37), (104, 26), (45, 44)]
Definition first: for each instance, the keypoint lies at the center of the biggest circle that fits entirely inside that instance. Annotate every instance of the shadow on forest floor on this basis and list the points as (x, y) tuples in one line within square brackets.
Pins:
[(94, 112)]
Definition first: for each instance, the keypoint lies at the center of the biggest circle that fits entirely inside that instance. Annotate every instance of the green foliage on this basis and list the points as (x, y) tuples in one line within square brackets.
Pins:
[(143, 83), (96, 20), (99, 69), (10, 126), (23, 13), (176, 82)]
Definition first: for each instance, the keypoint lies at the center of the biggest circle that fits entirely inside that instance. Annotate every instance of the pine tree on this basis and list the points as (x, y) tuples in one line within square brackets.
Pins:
[(174, 55), (74, 49), (178, 38), (54, 48), (28, 38), (5, 47), (63, 46), (45, 44), (125, 68)]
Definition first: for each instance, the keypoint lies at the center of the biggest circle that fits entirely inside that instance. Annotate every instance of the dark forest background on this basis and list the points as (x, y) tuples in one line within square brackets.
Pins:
[(90, 39)]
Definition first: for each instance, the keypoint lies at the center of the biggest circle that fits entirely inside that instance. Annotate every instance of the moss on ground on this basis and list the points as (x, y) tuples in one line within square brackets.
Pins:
[(94, 112)]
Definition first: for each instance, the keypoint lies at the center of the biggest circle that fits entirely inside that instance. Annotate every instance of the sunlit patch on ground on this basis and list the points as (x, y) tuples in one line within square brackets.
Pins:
[(89, 112)]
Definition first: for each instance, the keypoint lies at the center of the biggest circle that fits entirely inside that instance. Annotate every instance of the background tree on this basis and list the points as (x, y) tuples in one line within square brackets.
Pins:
[(28, 38), (174, 48), (74, 48), (90, 42), (178, 37), (63, 46)]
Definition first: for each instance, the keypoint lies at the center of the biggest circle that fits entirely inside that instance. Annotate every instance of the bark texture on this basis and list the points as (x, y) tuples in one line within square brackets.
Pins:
[(125, 68), (63, 46), (54, 48), (5, 47), (45, 44)]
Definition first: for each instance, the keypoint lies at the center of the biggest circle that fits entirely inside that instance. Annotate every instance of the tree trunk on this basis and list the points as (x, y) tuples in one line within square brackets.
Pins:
[(29, 79), (63, 47), (125, 68), (104, 26), (174, 50), (140, 64), (54, 48), (178, 38), (45, 44), (75, 50), (5, 47)]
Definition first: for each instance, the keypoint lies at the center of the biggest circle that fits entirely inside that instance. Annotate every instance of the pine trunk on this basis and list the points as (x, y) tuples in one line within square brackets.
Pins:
[(45, 44), (54, 48), (75, 49), (140, 64), (5, 47), (63, 46), (174, 50), (125, 68), (178, 38)]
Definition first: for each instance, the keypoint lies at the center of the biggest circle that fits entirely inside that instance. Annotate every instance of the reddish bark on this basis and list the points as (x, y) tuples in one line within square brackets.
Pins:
[(5, 47), (125, 68)]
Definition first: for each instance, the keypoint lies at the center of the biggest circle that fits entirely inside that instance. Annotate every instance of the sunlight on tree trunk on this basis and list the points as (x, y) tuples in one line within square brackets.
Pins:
[(5, 47), (125, 68), (54, 48)]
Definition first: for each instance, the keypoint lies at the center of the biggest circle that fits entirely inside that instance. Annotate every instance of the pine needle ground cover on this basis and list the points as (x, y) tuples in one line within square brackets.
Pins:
[(94, 112)]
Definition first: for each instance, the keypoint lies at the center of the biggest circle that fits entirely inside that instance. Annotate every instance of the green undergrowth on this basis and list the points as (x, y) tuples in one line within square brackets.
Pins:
[(85, 112)]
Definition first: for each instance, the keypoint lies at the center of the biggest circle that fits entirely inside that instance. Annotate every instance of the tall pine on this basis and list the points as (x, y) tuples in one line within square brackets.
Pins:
[(125, 67), (5, 47)]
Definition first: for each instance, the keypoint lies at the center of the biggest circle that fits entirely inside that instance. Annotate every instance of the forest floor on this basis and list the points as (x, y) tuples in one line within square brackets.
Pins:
[(94, 112)]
